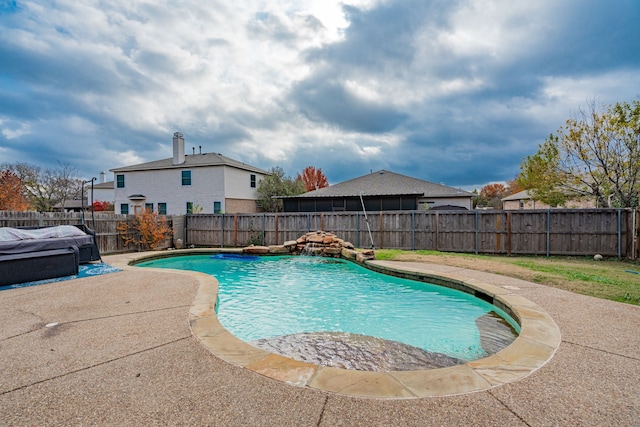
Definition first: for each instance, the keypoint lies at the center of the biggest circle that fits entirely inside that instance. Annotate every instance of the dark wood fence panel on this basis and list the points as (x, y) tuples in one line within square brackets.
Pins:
[(587, 231), (424, 231), (205, 230), (344, 224), (456, 230), (292, 226), (528, 232)]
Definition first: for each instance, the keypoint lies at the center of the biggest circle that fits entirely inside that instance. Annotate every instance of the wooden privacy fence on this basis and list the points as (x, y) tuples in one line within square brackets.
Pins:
[(609, 232), (109, 239)]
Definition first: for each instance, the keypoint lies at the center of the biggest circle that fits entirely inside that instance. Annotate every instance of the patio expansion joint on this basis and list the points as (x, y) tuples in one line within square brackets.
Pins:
[(86, 368), (132, 313), (324, 406), (492, 394), (39, 326), (624, 356), (89, 319)]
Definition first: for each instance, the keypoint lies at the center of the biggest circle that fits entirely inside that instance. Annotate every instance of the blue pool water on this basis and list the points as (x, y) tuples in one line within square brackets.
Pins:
[(276, 296)]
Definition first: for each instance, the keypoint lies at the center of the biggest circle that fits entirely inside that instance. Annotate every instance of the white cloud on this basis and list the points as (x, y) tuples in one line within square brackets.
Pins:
[(12, 129), (607, 88), (499, 29)]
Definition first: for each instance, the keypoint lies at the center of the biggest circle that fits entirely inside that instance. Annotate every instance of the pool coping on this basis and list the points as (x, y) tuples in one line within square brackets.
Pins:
[(533, 348)]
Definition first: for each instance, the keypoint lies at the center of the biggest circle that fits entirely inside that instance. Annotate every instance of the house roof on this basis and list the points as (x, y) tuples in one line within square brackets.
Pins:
[(100, 186), (385, 183), (72, 204), (522, 195), (190, 161)]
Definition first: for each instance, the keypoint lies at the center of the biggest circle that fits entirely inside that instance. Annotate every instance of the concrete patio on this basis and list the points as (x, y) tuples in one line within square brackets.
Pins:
[(118, 350)]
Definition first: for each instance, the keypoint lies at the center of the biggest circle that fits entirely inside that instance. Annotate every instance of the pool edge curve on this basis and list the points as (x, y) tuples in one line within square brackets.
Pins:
[(536, 344)]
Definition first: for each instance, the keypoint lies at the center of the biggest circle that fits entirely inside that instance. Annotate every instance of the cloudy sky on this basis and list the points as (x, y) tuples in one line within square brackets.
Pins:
[(453, 91)]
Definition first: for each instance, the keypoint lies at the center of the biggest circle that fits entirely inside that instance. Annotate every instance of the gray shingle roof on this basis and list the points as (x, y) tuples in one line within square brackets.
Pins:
[(191, 161), (522, 195), (102, 186), (386, 183)]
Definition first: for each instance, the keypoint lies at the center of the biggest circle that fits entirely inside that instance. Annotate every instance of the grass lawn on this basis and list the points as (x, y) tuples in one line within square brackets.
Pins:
[(608, 279)]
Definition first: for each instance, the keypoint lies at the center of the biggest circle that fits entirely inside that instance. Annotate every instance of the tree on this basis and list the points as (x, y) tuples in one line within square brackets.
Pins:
[(477, 199), (513, 187), (12, 196), (491, 195), (596, 154), (45, 188), (99, 206), (148, 228), (277, 184), (313, 178)]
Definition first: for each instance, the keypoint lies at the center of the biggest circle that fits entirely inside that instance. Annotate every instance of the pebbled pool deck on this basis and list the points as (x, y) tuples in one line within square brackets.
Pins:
[(119, 350)]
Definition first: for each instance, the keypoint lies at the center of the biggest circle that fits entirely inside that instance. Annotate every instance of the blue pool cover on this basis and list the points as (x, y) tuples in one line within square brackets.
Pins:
[(85, 270)]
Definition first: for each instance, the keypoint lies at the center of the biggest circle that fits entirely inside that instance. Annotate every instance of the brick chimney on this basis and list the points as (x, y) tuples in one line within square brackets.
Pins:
[(178, 148)]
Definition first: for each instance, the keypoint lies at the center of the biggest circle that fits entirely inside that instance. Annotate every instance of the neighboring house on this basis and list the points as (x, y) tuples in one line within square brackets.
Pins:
[(102, 191), (523, 200), (380, 191), (73, 205), (201, 183)]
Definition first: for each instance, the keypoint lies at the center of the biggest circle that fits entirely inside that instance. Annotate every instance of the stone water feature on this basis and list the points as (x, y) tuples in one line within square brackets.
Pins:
[(315, 243)]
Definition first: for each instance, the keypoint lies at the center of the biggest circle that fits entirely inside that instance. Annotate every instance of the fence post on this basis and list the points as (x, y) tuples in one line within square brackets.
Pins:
[(264, 222), (381, 231), (619, 234), (235, 230), (476, 227), (277, 229), (634, 237), (498, 232), (413, 230), (548, 230), (222, 231), (357, 229), (508, 233), (436, 236), (185, 232)]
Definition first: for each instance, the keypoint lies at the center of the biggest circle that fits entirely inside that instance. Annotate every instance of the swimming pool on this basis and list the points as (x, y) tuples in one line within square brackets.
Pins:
[(280, 296)]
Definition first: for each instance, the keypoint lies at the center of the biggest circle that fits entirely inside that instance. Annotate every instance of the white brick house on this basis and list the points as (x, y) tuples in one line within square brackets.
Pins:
[(203, 182)]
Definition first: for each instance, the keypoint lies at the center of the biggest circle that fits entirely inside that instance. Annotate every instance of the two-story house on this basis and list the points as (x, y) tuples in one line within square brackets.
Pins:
[(197, 183)]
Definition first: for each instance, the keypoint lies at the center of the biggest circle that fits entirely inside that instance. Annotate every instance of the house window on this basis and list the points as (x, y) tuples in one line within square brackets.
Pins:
[(253, 180), (124, 208), (162, 208), (217, 207), (148, 207), (120, 181), (186, 177), (189, 207)]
